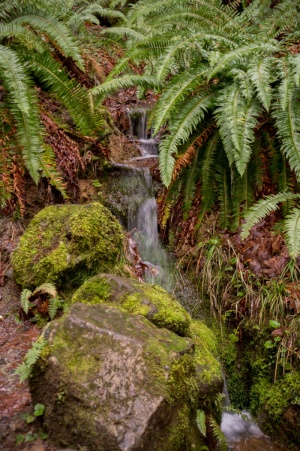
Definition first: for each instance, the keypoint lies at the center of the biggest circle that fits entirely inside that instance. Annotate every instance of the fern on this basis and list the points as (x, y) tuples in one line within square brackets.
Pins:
[(25, 303), (291, 231), (47, 288), (201, 421), (24, 370), (218, 434), (54, 304), (264, 207)]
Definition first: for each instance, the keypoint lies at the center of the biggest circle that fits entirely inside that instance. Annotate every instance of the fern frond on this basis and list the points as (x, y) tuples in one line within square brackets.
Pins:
[(127, 81), (22, 100), (25, 303), (264, 207), (201, 421), (260, 73), (230, 58), (187, 120), (237, 118), (291, 230), (47, 288), (218, 434), (180, 87), (54, 305), (49, 170), (57, 32), (288, 129), (31, 357)]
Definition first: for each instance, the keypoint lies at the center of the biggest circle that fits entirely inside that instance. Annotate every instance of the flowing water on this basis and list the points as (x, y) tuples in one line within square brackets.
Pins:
[(241, 431)]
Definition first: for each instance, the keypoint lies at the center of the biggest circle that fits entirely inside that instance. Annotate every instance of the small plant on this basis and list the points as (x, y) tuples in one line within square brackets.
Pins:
[(25, 368), (39, 410), (42, 303)]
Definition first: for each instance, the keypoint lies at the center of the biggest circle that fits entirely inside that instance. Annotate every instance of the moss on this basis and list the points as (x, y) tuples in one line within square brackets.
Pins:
[(206, 352), (136, 298), (62, 240), (180, 432), (94, 291)]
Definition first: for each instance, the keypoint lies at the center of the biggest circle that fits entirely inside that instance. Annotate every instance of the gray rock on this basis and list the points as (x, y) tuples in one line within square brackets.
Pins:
[(115, 382)]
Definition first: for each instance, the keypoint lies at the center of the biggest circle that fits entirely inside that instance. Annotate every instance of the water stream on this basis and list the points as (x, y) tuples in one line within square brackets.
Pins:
[(241, 431)]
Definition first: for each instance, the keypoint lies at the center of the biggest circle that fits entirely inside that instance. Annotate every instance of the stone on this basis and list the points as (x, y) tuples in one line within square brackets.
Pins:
[(115, 382), (134, 297), (64, 244)]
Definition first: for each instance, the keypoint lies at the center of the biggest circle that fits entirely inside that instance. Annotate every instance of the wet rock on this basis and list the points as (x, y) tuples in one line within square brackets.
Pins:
[(134, 297), (116, 382), (65, 243)]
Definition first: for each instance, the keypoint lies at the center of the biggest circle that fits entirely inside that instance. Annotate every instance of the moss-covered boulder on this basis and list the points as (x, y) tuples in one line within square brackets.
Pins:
[(112, 381), (136, 298), (67, 243)]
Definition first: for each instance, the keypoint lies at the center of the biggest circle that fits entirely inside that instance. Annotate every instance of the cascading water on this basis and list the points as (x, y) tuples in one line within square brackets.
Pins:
[(139, 198), (241, 432)]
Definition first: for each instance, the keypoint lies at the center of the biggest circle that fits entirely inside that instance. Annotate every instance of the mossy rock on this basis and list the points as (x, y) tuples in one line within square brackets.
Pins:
[(208, 367), (137, 298), (116, 382), (66, 243)]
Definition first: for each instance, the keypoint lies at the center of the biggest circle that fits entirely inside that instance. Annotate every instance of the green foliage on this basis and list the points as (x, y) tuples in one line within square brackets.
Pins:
[(24, 370), (227, 65), (201, 421), (43, 293), (36, 40)]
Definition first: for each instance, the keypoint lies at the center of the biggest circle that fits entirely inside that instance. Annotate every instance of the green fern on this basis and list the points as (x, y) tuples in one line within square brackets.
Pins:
[(264, 207), (291, 231), (201, 421), (24, 370), (25, 303)]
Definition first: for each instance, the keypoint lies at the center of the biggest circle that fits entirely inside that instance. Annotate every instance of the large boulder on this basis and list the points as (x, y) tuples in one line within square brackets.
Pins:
[(137, 298), (66, 243), (115, 382)]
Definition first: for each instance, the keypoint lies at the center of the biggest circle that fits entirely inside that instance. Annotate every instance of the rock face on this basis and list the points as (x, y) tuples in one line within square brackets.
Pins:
[(65, 242), (134, 297), (114, 382)]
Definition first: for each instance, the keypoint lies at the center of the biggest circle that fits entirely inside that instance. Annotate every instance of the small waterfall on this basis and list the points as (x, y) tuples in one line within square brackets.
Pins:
[(241, 432), (142, 209), (138, 119)]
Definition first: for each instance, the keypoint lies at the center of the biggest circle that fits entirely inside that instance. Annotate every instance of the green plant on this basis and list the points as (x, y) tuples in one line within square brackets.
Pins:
[(36, 41), (229, 102), (41, 302), (24, 370)]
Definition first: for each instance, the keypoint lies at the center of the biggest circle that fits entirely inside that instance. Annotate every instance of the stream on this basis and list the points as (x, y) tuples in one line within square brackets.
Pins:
[(241, 431)]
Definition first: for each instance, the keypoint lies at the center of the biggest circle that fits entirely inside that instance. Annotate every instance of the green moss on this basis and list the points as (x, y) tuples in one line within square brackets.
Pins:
[(180, 432), (94, 291), (206, 352), (136, 298), (63, 240)]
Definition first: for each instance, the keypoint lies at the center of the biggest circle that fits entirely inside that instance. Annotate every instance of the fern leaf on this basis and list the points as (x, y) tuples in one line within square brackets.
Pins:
[(49, 170), (22, 101), (230, 58), (54, 304), (25, 303), (58, 33), (178, 90), (127, 81), (47, 288), (291, 231), (288, 126), (262, 208), (261, 76), (187, 120), (237, 118), (201, 421)]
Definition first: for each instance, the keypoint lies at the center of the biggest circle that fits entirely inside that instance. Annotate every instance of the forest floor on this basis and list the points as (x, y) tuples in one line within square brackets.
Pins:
[(16, 338)]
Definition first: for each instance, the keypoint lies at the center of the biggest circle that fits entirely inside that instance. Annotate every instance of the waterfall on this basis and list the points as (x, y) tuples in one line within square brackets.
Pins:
[(139, 197), (241, 432)]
